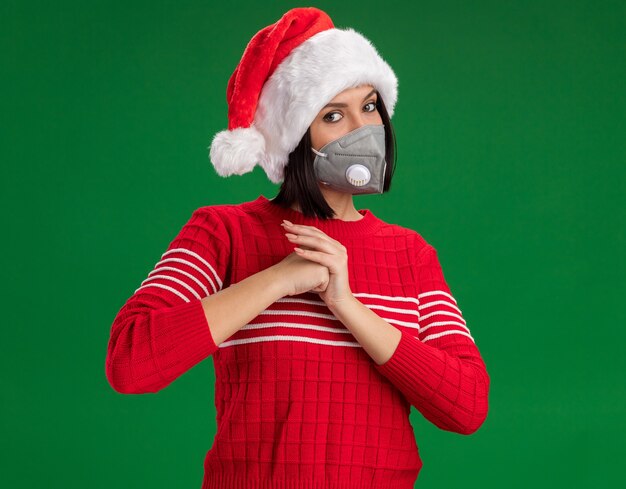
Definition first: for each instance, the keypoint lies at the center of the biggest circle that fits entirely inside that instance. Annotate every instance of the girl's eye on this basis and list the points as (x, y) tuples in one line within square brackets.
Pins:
[(327, 116), (373, 104)]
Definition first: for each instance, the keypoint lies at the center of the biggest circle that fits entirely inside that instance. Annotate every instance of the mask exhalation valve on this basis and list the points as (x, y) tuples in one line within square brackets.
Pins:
[(358, 175)]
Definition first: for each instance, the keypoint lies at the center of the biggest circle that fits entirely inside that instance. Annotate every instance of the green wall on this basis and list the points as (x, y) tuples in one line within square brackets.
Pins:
[(511, 162)]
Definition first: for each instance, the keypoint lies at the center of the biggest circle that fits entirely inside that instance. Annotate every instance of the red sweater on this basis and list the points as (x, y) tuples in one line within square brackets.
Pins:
[(299, 403)]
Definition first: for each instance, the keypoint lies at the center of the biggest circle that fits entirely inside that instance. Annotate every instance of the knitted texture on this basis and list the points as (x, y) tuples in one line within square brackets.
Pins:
[(299, 403)]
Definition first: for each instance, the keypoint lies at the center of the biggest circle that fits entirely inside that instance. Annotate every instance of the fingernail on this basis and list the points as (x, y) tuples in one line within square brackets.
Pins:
[(285, 220)]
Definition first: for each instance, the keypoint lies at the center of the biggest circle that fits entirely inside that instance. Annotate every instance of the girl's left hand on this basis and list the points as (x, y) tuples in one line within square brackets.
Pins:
[(322, 249)]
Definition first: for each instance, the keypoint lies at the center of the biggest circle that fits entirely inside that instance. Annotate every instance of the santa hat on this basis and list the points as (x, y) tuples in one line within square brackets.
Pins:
[(288, 72)]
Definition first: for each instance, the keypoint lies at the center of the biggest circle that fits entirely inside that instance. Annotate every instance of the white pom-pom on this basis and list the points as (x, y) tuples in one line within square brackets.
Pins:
[(237, 152)]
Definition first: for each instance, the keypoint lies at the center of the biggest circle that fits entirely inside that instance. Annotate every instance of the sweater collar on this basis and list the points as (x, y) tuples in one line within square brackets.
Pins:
[(335, 227)]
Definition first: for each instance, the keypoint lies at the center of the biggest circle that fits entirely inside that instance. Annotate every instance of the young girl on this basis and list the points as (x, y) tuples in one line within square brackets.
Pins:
[(325, 324)]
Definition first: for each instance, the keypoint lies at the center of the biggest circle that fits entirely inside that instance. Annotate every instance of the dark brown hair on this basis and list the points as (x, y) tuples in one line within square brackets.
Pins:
[(300, 184)]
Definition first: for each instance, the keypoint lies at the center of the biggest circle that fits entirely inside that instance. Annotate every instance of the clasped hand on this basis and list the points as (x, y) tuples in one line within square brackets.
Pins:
[(315, 245)]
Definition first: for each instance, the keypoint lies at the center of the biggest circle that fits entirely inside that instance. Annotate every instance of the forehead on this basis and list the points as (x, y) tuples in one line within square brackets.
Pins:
[(359, 91)]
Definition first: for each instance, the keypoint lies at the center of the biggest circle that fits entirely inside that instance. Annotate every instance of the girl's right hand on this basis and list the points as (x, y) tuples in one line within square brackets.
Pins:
[(301, 275)]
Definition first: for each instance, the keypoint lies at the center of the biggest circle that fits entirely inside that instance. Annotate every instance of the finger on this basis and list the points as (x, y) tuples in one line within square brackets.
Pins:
[(308, 231), (302, 229), (314, 242), (316, 256)]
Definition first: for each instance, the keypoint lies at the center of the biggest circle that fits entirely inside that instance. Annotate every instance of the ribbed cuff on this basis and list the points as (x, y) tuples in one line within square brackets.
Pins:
[(413, 365), (184, 336)]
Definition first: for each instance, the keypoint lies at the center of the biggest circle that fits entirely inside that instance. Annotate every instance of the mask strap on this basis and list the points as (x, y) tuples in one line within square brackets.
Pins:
[(323, 155)]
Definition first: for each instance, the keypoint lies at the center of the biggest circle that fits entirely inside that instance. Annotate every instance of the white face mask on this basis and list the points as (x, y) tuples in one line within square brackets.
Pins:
[(355, 162)]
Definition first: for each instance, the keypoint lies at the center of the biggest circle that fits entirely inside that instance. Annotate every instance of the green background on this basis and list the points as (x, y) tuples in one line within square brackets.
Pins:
[(511, 162)]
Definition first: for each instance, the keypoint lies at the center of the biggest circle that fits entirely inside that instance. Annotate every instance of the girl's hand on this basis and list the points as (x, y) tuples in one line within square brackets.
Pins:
[(315, 245), (299, 275)]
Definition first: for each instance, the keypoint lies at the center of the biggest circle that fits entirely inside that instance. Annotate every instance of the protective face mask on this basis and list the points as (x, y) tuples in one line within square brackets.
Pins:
[(354, 163)]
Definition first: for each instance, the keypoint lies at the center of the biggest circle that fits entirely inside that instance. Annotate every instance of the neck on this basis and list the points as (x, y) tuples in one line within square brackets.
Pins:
[(340, 202)]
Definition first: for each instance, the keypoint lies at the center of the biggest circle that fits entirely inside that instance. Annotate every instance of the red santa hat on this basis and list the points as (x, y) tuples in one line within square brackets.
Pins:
[(288, 72)]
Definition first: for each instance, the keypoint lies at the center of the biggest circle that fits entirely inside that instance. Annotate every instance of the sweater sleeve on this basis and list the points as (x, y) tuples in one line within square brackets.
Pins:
[(440, 372), (161, 331)]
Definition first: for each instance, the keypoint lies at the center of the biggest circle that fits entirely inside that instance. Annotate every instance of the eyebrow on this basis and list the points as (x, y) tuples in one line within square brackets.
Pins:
[(337, 104)]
